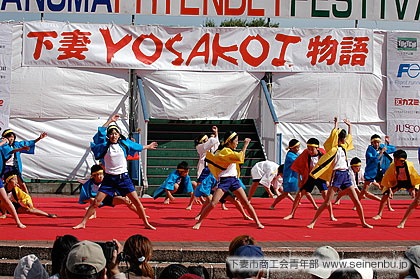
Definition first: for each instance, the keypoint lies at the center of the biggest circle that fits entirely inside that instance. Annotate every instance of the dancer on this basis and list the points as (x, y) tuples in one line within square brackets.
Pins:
[(4, 199), (333, 167), (90, 189), (267, 174), (400, 175), (203, 144), (290, 177), (377, 162), (12, 154), (303, 165), (178, 181), (225, 166), (112, 147), (356, 176), (21, 201)]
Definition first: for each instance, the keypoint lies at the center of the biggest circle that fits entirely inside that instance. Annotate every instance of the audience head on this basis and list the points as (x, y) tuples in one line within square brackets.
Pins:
[(324, 253), (358, 270), (413, 256), (61, 248), (29, 267), (248, 252), (85, 260), (138, 252), (173, 271), (200, 271)]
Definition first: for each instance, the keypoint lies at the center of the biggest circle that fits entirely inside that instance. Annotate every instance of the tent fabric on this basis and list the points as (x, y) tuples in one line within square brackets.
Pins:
[(201, 95)]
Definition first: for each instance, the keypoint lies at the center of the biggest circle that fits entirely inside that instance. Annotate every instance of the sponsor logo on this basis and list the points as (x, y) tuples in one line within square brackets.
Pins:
[(406, 102), (411, 70), (407, 44), (407, 128)]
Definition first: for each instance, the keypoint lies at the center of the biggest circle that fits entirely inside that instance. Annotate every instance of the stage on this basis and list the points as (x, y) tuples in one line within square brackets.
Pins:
[(174, 223)]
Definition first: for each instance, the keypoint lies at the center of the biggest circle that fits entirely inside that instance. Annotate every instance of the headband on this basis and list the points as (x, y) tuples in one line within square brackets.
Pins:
[(311, 144), (234, 134), (357, 164), (98, 171), (375, 139), (290, 147), (8, 131), (114, 127), (10, 177), (203, 139)]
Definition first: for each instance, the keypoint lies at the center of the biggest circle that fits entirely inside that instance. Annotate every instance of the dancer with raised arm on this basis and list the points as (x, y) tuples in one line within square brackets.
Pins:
[(225, 166), (333, 167), (113, 148)]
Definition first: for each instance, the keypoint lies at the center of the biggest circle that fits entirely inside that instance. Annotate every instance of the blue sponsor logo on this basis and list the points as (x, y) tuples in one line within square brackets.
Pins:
[(411, 70)]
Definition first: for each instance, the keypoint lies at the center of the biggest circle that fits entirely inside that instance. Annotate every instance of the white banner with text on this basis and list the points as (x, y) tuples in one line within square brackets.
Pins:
[(197, 49)]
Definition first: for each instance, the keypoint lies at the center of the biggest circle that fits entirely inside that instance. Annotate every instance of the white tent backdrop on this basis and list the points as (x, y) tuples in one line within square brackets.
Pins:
[(68, 104), (201, 95), (307, 103)]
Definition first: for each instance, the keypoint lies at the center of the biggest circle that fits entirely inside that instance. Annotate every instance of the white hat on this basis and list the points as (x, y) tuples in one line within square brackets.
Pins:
[(413, 254), (87, 253), (324, 253)]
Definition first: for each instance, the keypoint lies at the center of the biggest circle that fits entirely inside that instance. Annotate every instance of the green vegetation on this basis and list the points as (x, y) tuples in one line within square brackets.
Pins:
[(239, 22)]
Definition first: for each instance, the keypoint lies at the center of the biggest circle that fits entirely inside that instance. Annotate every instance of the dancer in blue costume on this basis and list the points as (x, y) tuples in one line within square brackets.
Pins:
[(290, 177), (12, 157), (377, 163), (91, 187), (178, 181)]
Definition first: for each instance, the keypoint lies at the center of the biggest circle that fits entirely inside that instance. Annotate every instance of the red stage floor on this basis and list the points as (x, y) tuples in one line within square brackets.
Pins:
[(174, 223)]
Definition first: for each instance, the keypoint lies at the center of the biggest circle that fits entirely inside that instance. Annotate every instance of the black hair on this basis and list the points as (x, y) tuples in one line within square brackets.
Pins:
[(342, 134), (354, 161), (313, 141), (400, 154), (173, 271), (96, 168), (9, 173), (375, 136), (225, 137), (183, 165), (280, 168), (293, 142), (61, 248), (199, 270), (198, 138), (345, 274)]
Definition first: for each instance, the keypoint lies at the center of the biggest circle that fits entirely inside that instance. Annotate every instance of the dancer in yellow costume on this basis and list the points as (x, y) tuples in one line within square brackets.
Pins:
[(333, 167), (400, 175), (224, 165)]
